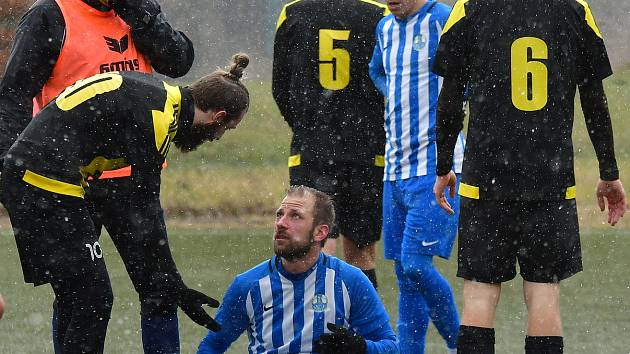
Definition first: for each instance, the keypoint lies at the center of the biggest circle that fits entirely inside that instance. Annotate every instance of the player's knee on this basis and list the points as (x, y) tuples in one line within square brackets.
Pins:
[(405, 284), (418, 268), (97, 300)]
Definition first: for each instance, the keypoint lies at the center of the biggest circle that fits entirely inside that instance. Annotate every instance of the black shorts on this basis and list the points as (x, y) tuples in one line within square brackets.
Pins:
[(543, 236), (54, 233), (357, 193)]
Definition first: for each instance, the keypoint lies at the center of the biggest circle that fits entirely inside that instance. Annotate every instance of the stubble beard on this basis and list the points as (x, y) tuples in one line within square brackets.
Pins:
[(294, 252)]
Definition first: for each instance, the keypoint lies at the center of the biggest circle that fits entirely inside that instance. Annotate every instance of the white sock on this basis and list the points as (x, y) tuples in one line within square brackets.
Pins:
[(451, 350)]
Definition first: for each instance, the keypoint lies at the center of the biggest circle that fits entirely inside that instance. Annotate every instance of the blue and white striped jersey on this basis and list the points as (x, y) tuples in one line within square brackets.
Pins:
[(401, 71), (287, 313)]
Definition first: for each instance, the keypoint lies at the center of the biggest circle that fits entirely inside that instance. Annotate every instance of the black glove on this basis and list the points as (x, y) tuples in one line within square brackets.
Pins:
[(340, 341), (138, 14), (191, 301)]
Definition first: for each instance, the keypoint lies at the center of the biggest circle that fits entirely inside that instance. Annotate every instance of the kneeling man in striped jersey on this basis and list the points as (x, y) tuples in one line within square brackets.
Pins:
[(301, 300)]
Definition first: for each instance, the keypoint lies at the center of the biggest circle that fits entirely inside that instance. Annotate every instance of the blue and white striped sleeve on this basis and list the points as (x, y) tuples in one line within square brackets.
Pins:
[(376, 69), (368, 316), (232, 316)]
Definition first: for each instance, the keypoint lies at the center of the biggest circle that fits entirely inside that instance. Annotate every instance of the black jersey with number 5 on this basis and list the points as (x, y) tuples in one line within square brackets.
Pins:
[(320, 79), (522, 61)]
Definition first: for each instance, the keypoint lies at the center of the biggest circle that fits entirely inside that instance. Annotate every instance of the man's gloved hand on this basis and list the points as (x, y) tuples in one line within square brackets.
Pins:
[(191, 301), (340, 341), (138, 14)]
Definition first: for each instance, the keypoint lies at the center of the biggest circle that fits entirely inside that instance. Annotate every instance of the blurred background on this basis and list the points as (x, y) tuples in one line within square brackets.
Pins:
[(221, 27), (221, 199)]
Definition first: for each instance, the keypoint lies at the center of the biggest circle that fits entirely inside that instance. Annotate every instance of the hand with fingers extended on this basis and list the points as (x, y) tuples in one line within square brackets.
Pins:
[(613, 194), (340, 341), (191, 301)]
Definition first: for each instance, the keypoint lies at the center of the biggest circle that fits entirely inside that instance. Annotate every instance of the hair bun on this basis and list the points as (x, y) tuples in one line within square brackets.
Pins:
[(240, 62)]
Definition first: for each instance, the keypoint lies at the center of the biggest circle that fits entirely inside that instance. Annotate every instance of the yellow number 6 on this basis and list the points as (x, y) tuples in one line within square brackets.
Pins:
[(524, 70)]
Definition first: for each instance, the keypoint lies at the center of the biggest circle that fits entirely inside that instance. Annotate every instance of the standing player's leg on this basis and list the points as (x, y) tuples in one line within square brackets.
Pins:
[(67, 255), (358, 203), (488, 247), (544, 326), (84, 304), (550, 252), (429, 231), (158, 315), (413, 317), (94, 195), (476, 333), (413, 314), (361, 256)]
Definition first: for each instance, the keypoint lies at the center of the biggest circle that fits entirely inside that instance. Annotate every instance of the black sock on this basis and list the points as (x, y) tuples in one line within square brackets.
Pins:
[(371, 274), (475, 340), (544, 345)]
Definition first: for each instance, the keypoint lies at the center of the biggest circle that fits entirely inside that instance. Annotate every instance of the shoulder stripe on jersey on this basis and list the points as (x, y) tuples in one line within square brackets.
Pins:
[(283, 14), (88, 88), (590, 20), (166, 122), (458, 12), (378, 4)]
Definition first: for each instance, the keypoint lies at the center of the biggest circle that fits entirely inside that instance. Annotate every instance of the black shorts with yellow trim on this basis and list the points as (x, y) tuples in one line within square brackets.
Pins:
[(356, 190), (53, 231), (541, 236)]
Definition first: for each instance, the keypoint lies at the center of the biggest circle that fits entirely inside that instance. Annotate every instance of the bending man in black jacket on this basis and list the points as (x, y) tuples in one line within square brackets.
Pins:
[(105, 122), (61, 41)]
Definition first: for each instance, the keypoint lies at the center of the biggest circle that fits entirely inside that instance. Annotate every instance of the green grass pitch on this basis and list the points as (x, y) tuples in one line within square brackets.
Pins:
[(595, 303)]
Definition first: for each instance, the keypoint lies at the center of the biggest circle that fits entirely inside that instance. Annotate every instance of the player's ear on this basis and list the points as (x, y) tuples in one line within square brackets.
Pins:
[(218, 116), (321, 232)]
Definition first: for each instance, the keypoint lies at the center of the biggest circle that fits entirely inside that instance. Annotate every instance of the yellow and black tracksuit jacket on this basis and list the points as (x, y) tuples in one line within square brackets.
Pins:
[(104, 122)]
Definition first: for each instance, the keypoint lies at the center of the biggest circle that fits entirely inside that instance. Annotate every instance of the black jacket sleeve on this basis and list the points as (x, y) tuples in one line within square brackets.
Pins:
[(597, 116), (146, 211), (282, 71), (450, 120), (171, 53), (35, 50)]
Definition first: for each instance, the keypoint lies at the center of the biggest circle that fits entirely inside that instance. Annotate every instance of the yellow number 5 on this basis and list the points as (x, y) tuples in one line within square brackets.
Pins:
[(526, 71), (334, 63)]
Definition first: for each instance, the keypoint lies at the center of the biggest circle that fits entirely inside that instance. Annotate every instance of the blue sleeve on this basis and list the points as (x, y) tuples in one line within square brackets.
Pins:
[(232, 316), (376, 69), (441, 13), (368, 316)]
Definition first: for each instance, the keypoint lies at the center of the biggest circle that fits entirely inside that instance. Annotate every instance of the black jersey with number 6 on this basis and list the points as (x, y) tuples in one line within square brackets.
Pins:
[(522, 61), (320, 79)]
